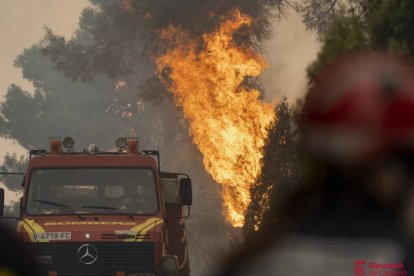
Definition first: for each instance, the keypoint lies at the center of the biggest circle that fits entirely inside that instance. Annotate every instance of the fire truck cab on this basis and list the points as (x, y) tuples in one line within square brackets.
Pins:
[(103, 213)]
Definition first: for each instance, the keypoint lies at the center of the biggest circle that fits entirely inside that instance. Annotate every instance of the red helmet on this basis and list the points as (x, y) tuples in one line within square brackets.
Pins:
[(360, 106)]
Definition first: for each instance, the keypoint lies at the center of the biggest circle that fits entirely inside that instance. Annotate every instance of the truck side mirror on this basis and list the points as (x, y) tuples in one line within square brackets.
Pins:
[(186, 194), (1, 201)]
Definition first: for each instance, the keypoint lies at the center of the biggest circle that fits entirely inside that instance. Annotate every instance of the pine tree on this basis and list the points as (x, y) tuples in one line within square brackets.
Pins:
[(381, 25), (12, 163), (280, 170)]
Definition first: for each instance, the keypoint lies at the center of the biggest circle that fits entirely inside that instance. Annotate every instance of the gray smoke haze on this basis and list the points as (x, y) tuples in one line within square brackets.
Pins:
[(288, 53)]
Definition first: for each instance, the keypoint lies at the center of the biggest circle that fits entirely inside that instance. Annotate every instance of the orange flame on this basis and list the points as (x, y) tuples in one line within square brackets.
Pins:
[(227, 120)]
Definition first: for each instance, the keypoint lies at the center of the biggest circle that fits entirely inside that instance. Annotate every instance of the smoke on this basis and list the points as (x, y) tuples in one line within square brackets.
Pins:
[(288, 53)]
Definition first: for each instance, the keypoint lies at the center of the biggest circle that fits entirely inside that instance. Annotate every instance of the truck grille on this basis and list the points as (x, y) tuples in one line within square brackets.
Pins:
[(125, 236), (111, 257)]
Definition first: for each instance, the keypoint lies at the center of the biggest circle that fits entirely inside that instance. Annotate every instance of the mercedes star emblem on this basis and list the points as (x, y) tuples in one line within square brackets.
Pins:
[(87, 254)]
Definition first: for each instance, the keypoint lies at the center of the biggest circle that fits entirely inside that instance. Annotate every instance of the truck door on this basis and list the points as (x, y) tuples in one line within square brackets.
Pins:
[(174, 223)]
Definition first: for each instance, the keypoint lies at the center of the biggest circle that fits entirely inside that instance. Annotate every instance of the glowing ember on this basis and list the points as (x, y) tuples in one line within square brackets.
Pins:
[(227, 120)]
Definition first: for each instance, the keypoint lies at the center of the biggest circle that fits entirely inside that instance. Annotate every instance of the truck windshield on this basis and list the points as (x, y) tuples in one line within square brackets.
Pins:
[(127, 190)]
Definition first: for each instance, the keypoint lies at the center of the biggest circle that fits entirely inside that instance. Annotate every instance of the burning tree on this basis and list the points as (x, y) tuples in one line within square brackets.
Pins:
[(227, 120)]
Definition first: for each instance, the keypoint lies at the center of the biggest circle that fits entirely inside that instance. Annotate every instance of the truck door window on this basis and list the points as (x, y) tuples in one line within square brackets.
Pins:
[(131, 190)]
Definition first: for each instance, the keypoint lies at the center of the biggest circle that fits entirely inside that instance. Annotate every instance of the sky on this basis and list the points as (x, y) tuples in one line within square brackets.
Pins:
[(288, 53)]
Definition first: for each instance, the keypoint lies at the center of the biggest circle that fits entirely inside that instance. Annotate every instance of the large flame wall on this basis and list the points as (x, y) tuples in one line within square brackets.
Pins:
[(227, 120)]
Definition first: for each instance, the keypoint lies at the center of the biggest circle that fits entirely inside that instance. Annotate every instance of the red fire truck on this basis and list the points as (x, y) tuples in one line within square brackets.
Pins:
[(104, 213)]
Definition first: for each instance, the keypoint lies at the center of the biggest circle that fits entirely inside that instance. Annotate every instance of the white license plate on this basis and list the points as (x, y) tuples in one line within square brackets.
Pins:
[(52, 236)]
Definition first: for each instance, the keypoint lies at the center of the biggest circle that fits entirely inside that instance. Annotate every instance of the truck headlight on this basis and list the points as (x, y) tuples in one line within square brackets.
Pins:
[(169, 264)]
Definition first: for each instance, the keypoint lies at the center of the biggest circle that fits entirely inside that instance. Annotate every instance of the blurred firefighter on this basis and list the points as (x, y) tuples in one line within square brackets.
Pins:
[(15, 259), (354, 213)]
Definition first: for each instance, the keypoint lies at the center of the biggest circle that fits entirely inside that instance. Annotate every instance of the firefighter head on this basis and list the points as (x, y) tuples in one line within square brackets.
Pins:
[(359, 109), (358, 132)]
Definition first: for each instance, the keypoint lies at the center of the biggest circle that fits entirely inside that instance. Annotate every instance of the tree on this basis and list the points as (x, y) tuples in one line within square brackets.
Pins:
[(12, 163), (280, 171), (319, 15), (343, 36), (390, 25), (383, 25)]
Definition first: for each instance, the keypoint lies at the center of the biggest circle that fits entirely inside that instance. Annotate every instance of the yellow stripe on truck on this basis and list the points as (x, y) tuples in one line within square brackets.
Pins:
[(148, 228), (32, 227), (143, 228)]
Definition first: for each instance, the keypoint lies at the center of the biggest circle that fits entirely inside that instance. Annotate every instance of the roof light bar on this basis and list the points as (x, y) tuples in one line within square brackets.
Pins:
[(68, 143), (132, 146), (93, 149), (55, 145), (121, 143)]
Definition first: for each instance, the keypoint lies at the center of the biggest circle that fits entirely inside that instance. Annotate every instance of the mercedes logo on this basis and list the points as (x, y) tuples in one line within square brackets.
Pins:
[(87, 254)]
